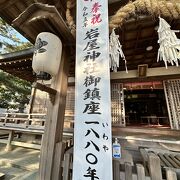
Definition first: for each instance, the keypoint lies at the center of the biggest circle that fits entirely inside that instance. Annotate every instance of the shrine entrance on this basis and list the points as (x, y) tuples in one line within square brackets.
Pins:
[(139, 104), (146, 107)]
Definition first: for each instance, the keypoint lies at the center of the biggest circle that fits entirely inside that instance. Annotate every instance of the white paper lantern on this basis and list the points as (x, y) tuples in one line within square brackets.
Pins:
[(47, 54)]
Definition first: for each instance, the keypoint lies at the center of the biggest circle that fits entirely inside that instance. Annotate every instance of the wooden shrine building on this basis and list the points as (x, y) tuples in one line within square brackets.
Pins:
[(146, 99)]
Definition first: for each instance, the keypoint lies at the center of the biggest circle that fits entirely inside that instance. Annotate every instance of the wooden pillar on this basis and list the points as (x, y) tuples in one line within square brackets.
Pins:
[(59, 157), (116, 170), (140, 172), (66, 166), (128, 171), (54, 122), (33, 93), (170, 174), (10, 138), (154, 167)]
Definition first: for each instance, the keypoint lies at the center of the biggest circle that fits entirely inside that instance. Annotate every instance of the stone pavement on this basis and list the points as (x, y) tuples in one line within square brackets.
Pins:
[(19, 164)]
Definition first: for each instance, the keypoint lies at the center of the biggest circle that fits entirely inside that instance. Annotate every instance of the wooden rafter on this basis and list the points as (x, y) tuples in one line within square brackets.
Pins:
[(134, 40), (43, 12), (27, 53), (6, 4)]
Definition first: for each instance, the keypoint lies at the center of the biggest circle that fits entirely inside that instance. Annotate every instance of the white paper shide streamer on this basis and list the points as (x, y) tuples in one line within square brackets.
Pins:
[(115, 51), (169, 50)]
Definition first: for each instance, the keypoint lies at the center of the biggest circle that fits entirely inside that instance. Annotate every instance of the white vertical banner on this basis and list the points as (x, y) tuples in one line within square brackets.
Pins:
[(92, 133)]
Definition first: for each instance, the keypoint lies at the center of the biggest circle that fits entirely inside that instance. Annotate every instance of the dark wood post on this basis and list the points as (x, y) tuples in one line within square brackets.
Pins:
[(170, 174), (54, 122), (154, 167), (33, 93), (140, 172), (10, 138)]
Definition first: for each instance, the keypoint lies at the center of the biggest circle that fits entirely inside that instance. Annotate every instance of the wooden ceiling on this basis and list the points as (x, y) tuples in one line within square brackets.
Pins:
[(18, 64), (136, 34)]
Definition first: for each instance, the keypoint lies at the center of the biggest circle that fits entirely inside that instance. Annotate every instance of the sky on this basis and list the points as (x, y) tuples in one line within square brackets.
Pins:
[(22, 38), (17, 34)]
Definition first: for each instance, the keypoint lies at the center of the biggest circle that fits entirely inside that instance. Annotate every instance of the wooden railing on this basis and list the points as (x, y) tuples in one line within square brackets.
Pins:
[(139, 172), (33, 123), (162, 162), (21, 123), (125, 170)]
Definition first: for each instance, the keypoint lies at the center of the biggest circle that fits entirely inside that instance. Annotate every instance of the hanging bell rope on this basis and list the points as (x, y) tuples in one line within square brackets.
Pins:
[(169, 44), (115, 52)]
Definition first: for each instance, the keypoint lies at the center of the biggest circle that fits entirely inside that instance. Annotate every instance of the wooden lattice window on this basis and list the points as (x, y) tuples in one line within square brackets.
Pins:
[(172, 94), (117, 104), (70, 103)]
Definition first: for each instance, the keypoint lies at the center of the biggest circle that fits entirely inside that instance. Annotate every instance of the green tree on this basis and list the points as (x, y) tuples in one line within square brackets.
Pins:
[(14, 92), (9, 41)]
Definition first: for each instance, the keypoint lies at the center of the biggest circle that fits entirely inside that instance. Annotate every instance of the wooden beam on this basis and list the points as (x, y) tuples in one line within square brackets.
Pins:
[(23, 54), (151, 72), (141, 50), (138, 34), (5, 4), (22, 144), (45, 88), (115, 1), (55, 121), (61, 9), (134, 65), (40, 12), (16, 64), (157, 72), (52, 92)]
